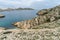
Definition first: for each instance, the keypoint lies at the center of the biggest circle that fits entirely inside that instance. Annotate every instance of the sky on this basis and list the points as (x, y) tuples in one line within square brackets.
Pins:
[(36, 4)]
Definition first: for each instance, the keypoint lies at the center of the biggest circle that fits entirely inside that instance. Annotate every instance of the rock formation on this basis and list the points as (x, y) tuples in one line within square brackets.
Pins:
[(2, 16), (47, 25), (44, 15)]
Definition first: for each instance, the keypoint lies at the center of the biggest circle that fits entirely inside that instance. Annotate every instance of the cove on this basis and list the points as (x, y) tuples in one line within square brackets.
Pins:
[(16, 16)]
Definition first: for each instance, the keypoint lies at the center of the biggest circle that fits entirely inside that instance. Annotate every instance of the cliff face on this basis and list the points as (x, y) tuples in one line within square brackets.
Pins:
[(43, 16)]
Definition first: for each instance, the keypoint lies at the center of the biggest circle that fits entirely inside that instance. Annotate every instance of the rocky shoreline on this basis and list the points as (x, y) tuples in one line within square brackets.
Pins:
[(46, 26), (43, 16)]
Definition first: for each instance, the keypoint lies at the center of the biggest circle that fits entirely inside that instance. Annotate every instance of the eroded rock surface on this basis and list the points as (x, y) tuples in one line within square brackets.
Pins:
[(31, 34)]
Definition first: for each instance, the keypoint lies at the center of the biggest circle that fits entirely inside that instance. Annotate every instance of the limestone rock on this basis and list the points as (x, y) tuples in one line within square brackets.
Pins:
[(32, 34), (45, 15), (42, 12)]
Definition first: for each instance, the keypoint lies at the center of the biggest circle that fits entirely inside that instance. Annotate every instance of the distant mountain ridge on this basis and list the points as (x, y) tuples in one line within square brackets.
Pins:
[(11, 9)]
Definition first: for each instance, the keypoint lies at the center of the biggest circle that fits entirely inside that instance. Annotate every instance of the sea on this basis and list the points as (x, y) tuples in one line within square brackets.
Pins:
[(16, 16)]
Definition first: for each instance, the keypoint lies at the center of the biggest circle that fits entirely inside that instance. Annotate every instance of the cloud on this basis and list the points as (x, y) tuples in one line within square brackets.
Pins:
[(17, 3), (45, 4), (29, 3)]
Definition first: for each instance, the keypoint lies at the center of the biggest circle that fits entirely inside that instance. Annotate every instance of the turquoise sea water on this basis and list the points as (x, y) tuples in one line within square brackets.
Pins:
[(15, 16)]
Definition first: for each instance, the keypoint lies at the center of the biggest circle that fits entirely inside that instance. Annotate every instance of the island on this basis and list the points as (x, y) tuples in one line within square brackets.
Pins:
[(11, 9)]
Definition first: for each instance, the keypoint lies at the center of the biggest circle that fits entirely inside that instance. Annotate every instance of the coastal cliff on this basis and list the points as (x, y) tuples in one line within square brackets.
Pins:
[(43, 16)]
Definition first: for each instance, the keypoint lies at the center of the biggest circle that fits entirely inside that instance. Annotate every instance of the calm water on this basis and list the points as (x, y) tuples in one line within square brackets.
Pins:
[(15, 16)]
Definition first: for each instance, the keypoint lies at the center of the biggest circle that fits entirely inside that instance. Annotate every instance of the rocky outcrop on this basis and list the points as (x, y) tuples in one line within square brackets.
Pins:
[(44, 16), (2, 16)]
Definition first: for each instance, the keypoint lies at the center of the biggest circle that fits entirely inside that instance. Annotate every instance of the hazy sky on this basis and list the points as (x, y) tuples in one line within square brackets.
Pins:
[(38, 4)]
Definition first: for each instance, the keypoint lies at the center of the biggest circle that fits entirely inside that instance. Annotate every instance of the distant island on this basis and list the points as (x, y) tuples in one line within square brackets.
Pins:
[(24, 9), (11, 9)]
